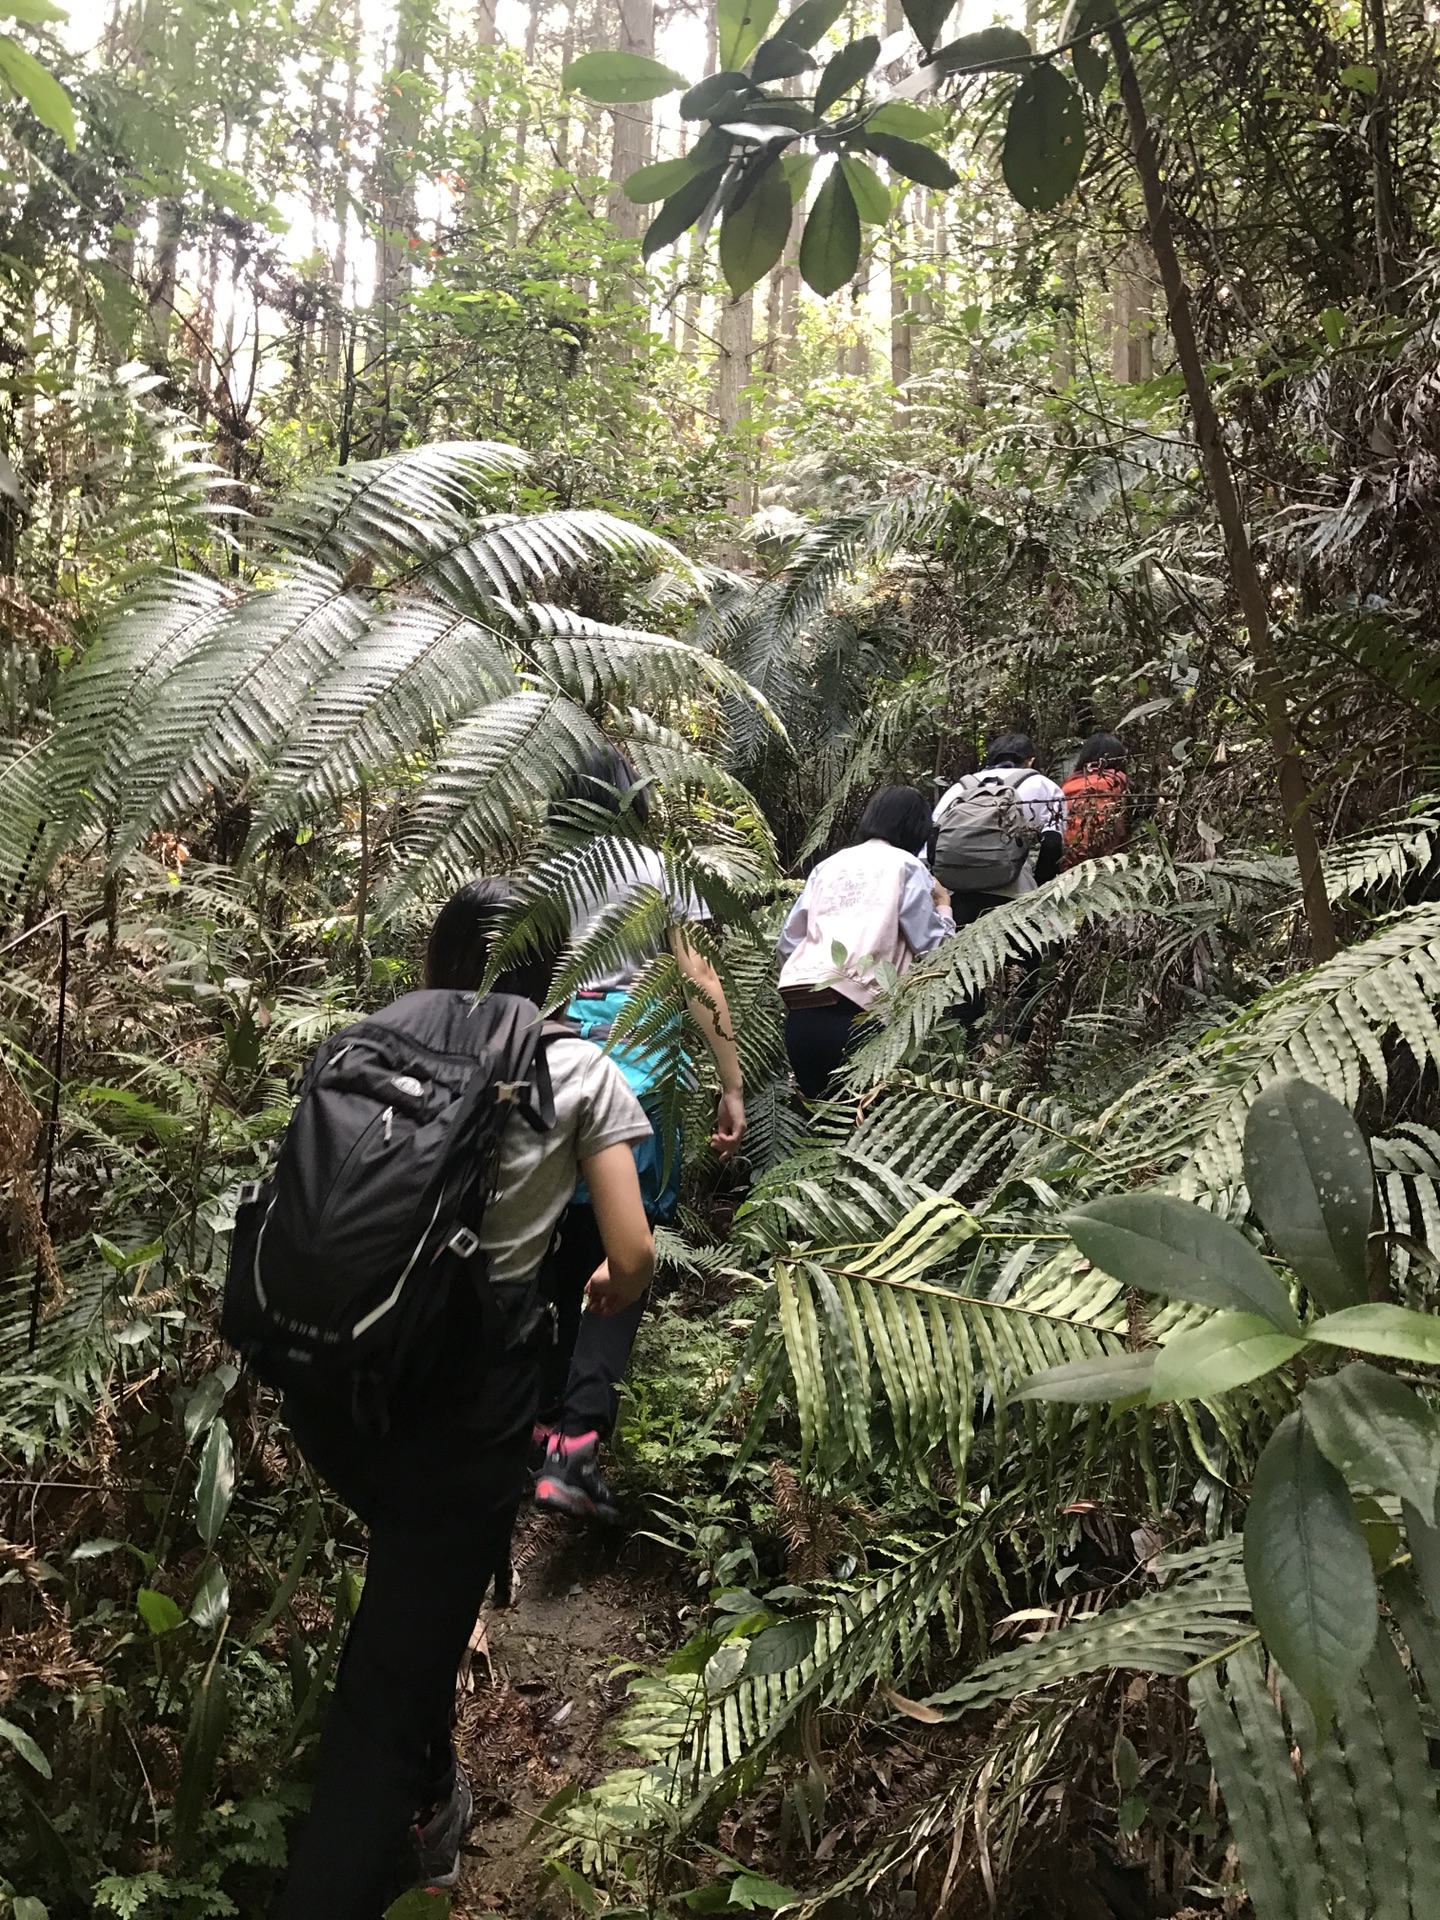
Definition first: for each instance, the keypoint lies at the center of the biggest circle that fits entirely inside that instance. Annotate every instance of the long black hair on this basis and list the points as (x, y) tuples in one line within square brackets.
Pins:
[(458, 950), (900, 815), (1101, 750)]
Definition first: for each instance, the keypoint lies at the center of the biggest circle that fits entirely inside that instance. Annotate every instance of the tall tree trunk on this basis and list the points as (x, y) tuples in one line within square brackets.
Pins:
[(485, 30), (732, 377), (170, 221), (901, 331), (1067, 312), (1132, 320), (1249, 588), (398, 164), (340, 262), (634, 125)]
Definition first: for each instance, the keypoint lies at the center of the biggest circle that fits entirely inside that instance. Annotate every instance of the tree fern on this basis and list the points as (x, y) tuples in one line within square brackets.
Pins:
[(397, 625)]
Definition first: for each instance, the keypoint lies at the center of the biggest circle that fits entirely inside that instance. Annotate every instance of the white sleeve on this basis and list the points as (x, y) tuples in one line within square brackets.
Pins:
[(1042, 803)]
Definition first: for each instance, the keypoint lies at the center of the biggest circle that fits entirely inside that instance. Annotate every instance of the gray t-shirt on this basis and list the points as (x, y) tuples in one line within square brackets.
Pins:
[(632, 868), (593, 1109)]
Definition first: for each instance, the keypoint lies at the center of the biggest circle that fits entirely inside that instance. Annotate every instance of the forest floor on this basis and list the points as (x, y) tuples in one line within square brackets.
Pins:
[(544, 1690)]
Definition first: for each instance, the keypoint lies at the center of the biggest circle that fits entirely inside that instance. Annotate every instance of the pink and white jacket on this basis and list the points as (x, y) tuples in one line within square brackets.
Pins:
[(875, 901)]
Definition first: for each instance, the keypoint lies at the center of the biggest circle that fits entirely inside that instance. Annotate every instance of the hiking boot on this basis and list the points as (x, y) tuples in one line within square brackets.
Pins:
[(439, 1838), (570, 1480)]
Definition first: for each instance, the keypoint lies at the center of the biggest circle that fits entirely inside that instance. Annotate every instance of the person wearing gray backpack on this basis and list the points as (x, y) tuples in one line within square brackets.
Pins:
[(999, 833)]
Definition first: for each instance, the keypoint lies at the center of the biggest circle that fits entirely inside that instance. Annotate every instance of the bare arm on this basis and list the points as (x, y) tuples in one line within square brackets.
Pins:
[(629, 1263), (712, 1014)]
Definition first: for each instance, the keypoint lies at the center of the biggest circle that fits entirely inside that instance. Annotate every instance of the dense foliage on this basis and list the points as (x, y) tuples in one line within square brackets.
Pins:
[(1042, 1435)]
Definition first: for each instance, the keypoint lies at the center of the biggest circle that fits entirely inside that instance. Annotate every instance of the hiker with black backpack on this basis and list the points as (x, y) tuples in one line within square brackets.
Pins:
[(580, 1396), (384, 1281), (998, 834)]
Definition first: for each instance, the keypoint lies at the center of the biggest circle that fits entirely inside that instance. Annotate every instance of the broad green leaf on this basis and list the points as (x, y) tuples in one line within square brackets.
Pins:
[(1311, 1584), (26, 1907), (872, 196), (35, 11), (830, 244), (38, 87), (26, 1746), (1398, 1332), (797, 169), (846, 70), (927, 17), (704, 97), (1118, 1376), (780, 60), (578, 1888), (1044, 146), (992, 49), (1424, 1539), (1227, 1351), (616, 78), (425, 1903), (1091, 67), (1164, 1245), (753, 235), (740, 26), (212, 1598), (810, 21), (910, 122), (1311, 1182), (916, 162), (1360, 79), (158, 1611), (781, 1647), (750, 1891), (1377, 1431), (214, 1483), (206, 1401), (681, 211), (659, 181)]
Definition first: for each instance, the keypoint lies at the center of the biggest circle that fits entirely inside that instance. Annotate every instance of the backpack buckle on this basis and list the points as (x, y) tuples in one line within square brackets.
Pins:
[(462, 1243), (510, 1091), (249, 1193)]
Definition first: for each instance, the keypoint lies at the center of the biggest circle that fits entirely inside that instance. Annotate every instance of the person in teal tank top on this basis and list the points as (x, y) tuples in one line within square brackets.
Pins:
[(580, 1386)]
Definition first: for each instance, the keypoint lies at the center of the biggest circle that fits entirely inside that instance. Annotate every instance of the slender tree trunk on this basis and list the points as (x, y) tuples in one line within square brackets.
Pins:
[(340, 264), (1067, 309), (901, 331), (1132, 320), (1381, 161), (485, 31), (169, 225), (634, 125), (732, 377), (1249, 588)]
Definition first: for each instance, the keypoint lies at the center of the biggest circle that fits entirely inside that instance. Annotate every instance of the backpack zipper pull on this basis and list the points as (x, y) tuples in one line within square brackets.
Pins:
[(389, 1123)]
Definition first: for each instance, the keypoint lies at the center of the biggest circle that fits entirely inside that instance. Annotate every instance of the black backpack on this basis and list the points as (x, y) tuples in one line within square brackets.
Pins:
[(343, 1262)]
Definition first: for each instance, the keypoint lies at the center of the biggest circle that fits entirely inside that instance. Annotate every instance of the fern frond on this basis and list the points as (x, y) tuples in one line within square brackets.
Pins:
[(1204, 1610), (492, 777), (408, 506), (1098, 890), (414, 669), (1328, 1026), (869, 536)]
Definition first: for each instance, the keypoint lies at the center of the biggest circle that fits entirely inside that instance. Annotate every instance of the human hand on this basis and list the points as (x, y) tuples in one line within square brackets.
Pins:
[(940, 895), (604, 1294), (729, 1123)]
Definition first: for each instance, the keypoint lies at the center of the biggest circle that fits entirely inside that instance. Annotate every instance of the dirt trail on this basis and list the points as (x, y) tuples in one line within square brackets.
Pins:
[(537, 1713)]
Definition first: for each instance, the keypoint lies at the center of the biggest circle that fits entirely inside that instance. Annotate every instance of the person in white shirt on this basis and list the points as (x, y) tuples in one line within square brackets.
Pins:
[(873, 903), (1042, 804), (1040, 801)]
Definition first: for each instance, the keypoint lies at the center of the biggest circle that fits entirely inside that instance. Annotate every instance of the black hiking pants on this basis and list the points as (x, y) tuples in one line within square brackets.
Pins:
[(580, 1373), (817, 1040), (439, 1494)]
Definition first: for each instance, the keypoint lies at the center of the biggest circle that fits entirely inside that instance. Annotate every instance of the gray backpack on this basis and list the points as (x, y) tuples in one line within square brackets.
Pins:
[(983, 836)]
